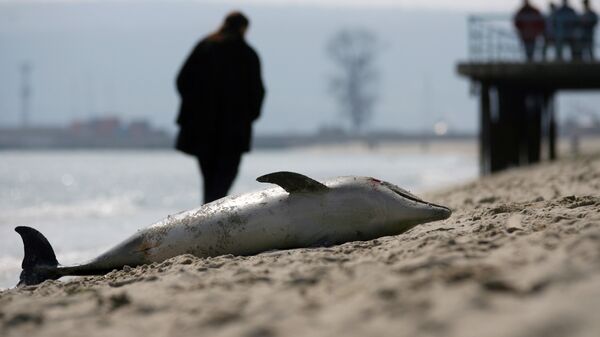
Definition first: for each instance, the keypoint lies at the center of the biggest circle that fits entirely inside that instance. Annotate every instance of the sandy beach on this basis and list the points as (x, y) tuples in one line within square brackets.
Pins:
[(519, 257)]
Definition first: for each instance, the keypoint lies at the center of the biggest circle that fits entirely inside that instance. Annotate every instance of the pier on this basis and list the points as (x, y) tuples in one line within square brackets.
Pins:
[(517, 113)]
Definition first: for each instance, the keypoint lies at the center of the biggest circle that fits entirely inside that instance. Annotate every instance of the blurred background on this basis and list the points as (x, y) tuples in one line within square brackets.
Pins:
[(88, 107)]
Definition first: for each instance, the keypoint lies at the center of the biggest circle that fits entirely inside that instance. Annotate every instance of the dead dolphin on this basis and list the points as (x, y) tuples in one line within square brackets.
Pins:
[(302, 213)]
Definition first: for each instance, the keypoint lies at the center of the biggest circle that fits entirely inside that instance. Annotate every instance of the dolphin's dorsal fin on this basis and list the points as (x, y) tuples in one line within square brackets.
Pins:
[(293, 182)]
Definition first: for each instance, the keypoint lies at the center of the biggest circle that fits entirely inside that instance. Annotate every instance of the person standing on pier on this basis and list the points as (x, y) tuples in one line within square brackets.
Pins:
[(549, 32), (589, 20), (221, 93), (567, 21), (530, 25)]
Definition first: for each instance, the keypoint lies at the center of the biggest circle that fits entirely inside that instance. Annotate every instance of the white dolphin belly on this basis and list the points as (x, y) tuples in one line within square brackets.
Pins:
[(260, 221)]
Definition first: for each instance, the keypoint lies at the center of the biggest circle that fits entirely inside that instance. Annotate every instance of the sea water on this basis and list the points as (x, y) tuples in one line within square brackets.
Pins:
[(87, 201)]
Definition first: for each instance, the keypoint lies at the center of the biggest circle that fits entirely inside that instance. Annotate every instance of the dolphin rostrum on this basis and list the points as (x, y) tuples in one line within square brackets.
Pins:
[(301, 212)]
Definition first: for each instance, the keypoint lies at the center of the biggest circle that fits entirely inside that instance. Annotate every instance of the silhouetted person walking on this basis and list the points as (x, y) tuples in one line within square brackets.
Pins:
[(567, 21), (530, 24), (589, 20), (221, 95)]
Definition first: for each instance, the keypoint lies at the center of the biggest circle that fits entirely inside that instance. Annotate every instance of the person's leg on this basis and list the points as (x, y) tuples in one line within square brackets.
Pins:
[(588, 51), (584, 51), (559, 49), (529, 50), (208, 166), (225, 173), (576, 49)]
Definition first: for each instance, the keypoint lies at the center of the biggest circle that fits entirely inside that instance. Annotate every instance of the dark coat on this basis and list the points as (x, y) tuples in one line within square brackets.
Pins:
[(221, 95), (529, 22)]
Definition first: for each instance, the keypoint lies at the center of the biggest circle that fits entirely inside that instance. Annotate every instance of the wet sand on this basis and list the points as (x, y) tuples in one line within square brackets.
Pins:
[(519, 257)]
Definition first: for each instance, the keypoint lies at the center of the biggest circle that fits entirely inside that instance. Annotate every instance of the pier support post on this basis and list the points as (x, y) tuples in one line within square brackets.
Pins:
[(484, 130), (551, 128), (511, 127)]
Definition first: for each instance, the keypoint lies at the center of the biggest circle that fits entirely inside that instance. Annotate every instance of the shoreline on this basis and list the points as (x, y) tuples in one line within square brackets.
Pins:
[(519, 256)]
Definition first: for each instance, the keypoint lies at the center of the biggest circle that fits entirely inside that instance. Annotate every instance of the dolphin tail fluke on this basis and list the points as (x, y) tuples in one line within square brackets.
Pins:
[(39, 263)]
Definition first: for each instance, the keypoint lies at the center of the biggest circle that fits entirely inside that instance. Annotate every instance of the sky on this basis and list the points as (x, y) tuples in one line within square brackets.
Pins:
[(103, 58), (469, 5), (453, 5)]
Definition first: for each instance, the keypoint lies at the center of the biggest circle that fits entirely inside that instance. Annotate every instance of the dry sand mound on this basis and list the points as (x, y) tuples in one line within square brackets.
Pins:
[(519, 257)]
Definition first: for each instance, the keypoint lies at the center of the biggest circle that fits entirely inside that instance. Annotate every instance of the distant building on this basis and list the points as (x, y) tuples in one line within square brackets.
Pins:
[(104, 132), (112, 133)]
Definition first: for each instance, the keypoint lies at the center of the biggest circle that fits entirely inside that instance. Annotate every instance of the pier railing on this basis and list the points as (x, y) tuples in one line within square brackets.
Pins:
[(493, 38)]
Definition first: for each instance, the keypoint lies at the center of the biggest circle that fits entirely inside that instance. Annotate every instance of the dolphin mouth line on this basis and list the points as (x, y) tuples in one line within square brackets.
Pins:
[(439, 206)]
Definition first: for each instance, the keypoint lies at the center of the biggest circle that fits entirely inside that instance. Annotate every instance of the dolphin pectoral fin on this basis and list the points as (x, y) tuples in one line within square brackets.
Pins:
[(293, 182)]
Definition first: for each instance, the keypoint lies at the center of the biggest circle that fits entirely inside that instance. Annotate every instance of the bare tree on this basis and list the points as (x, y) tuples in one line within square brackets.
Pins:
[(354, 51)]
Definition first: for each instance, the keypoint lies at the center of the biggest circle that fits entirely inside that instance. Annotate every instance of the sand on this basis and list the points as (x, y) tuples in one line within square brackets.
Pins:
[(519, 257)]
